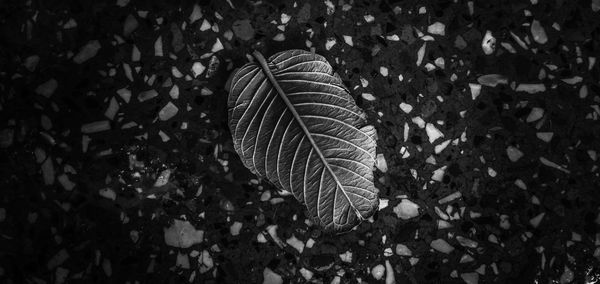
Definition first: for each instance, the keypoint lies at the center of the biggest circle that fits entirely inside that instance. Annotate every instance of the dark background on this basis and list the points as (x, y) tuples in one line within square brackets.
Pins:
[(50, 201)]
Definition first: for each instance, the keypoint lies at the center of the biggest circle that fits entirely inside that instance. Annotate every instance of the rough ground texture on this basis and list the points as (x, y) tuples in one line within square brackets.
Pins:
[(117, 164)]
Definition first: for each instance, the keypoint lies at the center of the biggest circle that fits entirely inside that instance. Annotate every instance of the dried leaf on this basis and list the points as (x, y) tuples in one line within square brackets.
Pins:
[(294, 123)]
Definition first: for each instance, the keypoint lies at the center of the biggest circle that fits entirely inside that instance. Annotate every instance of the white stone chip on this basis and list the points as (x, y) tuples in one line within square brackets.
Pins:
[(158, 47), (279, 37), (182, 261), (295, 243), (492, 80), (174, 92), (421, 54), (544, 136), (437, 28), (182, 234), (130, 25), (168, 111), (383, 71), (538, 32), (125, 94), (442, 246), (381, 163), (378, 271), (368, 96), (439, 148), (205, 25), (147, 95), (30, 63), (285, 18), (346, 257), (206, 260), (348, 40), (217, 46), (470, 278), (196, 14), (47, 88), (438, 174), (535, 221), (535, 114), (112, 109), (567, 276), (87, 52), (403, 250), (406, 108), (432, 132), (108, 193), (531, 88), (475, 90), (514, 154), (307, 274), (450, 197), (488, 44), (406, 209), (270, 277), (96, 126), (198, 68), (330, 43)]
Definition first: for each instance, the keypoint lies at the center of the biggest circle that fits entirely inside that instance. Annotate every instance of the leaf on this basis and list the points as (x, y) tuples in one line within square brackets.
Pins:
[(294, 123)]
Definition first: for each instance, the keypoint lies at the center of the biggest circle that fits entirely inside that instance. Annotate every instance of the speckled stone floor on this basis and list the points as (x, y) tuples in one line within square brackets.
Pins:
[(118, 167)]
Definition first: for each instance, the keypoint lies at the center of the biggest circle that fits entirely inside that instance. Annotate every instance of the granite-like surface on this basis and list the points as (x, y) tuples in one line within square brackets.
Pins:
[(114, 139)]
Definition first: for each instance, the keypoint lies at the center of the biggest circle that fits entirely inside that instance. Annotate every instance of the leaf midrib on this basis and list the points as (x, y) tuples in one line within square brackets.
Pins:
[(263, 63)]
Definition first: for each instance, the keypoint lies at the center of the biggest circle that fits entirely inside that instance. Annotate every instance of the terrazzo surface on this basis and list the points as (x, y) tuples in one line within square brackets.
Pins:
[(118, 165)]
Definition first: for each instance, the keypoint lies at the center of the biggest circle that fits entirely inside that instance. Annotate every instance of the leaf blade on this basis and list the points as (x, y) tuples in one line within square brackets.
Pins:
[(306, 135)]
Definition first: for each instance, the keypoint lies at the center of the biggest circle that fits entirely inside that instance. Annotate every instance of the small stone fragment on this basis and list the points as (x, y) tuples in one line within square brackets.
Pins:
[(168, 111), (475, 90), (158, 47), (492, 80), (432, 132), (406, 209), (87, 52), (368, 96), (470, 278), (270, 277), (94, 127), (235, 228), (295, 243), (403, 250), (196, 14), (217, 46), (307, 274), (112, 109), (538, 32), (488, 44), (535, 114), (437, 28), (442, 246), (47, 89), (31, 62), (182, 234), (243, 29), (421, 54), (531, 88), (535, 221), (378, 271), (147, 95), (514, 154), (406, 108), (348, 40), (381, 163), (131, 24), (198, 68), (330, 43)]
